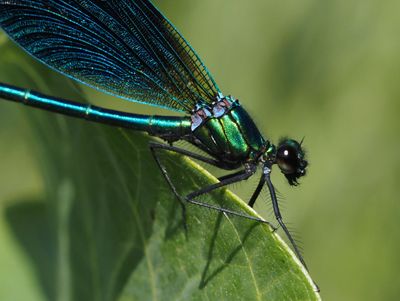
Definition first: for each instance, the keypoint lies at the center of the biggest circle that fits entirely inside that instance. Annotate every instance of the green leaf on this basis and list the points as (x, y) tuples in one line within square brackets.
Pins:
[(109, 227)]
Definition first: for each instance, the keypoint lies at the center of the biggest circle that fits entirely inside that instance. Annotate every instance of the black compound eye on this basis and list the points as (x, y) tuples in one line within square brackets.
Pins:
[(291, 161), (287, 159)]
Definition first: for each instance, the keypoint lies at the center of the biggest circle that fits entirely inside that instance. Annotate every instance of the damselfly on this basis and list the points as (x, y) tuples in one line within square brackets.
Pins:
[(127, 48)]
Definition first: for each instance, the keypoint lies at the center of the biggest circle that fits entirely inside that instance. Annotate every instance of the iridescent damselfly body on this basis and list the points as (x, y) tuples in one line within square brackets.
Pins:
[(130, 50)]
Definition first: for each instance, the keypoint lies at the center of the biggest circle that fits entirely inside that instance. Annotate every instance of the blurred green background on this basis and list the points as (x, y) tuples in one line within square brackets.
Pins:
[(326, 70)]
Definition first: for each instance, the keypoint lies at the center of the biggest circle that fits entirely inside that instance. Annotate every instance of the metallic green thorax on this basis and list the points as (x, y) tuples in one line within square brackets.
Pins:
[(227, 132)]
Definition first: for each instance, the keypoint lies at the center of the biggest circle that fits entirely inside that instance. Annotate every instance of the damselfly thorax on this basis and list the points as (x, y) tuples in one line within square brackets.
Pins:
[(226, 131)]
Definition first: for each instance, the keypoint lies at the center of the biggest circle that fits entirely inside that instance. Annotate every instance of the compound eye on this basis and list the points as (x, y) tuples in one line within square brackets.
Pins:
[(291, 161), (287, 159)]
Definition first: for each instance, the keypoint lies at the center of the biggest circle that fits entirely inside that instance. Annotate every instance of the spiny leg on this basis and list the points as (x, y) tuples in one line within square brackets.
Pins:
[(256, 192), (255, 195), (265, 178), (154, 146), (226, 180), (158, 146), (229, 179), (278, 216)]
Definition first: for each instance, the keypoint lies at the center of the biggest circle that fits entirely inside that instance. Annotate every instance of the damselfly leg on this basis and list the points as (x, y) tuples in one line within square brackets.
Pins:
[(190, 198)]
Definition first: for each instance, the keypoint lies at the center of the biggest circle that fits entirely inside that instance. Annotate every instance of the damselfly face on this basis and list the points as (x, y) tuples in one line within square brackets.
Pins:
[(290, 158)]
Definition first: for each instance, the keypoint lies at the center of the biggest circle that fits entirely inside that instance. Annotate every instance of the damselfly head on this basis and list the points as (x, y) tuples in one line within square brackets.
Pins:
[(290, 158)]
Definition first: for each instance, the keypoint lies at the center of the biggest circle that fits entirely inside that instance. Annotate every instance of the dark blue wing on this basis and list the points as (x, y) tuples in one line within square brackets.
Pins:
[(123, 47)]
